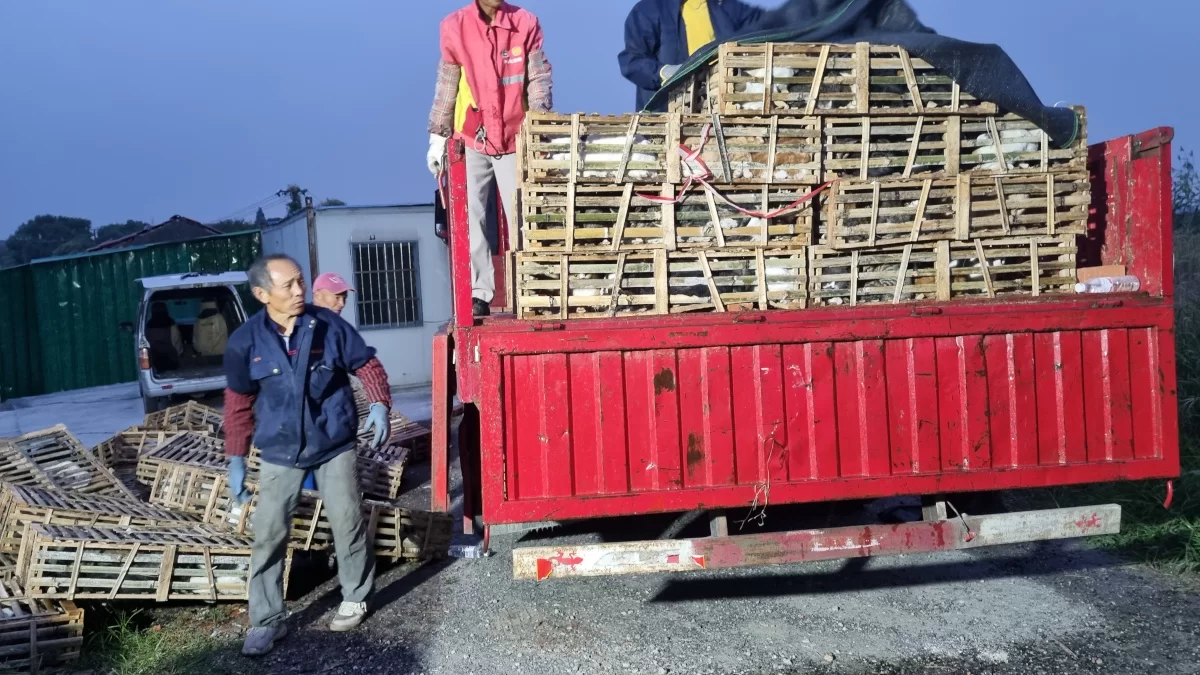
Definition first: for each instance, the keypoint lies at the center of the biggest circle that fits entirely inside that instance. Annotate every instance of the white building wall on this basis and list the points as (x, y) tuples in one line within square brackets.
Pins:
[(290, 238), (406, 352)]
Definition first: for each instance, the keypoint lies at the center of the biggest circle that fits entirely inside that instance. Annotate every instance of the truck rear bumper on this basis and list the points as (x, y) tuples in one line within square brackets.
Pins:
[(689, 555)]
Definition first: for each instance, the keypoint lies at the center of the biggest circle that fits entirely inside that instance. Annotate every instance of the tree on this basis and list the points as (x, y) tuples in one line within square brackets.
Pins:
[(260, 219), (332, 202), (295, 195), (237, 225), (118, 230), (1185, 189), (48, 235)]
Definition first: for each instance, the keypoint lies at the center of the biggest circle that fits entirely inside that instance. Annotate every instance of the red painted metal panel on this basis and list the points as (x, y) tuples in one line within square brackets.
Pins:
[(718, 426), (706, 417)]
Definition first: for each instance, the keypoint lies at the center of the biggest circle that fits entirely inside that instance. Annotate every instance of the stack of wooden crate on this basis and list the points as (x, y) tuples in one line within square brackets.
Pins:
[(147, 515), (922, 193)]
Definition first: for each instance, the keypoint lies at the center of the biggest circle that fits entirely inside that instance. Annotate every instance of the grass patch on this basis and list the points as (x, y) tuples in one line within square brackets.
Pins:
[(139, 642)]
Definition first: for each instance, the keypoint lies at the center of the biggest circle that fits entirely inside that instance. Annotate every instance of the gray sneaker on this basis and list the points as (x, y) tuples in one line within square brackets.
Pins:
[(349, 616), (262, 639)]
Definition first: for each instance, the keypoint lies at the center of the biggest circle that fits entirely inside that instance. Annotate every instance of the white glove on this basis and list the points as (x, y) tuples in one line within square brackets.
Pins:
[(667, 72), (437, 153)]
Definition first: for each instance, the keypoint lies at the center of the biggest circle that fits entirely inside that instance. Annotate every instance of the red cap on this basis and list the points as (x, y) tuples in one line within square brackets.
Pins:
[(332, 282)]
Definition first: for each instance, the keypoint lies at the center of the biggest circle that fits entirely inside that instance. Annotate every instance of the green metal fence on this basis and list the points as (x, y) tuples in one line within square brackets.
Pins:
[(73, 308), (20, 352)]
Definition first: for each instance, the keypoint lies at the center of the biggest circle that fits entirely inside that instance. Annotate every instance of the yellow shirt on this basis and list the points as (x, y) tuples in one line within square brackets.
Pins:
[(698, 23)]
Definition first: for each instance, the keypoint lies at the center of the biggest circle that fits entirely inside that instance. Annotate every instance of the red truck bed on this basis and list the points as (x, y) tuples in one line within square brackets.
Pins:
[(611, 417)]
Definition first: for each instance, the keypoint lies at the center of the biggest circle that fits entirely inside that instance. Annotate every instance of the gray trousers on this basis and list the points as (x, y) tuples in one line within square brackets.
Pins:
[(279, 490), (484, 175)]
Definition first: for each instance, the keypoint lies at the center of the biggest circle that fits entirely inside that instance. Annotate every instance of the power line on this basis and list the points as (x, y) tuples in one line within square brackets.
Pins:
[(264, 203)]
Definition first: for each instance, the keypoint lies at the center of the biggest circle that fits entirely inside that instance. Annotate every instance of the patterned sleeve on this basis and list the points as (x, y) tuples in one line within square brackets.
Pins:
[(441, 116)]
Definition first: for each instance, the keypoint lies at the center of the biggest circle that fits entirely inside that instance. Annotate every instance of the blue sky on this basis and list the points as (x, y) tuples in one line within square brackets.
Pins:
[(119, 109)]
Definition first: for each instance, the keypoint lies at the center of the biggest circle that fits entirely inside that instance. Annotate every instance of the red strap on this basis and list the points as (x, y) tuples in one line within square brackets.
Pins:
[(698, 172)]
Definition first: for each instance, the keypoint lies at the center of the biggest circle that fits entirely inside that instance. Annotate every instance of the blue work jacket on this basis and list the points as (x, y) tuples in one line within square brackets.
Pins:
[(655, 37), (304, 405)]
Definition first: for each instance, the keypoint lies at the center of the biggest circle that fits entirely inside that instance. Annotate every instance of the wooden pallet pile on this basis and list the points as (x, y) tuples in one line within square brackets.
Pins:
[(922, 192), (37, 634), (147, 516)]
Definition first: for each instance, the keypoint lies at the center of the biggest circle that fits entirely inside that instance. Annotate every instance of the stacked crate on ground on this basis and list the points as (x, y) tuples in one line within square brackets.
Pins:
[(562, 286), (406, 434), (20, 506), (945, 270), (598, 149), (36, 633), (571, 218), (914, 211), (121, 452), (8, 567), (190, 416), (933, 147), (397, 533), (159, 564), (188, 474), (53, 458), (807, 79)]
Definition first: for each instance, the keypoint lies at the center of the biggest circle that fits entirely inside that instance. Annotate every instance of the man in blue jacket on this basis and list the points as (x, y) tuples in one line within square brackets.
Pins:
[(287, 370), (661, 34)]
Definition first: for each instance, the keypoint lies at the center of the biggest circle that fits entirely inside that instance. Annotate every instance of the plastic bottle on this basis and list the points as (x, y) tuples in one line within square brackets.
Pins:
[(1125, 284)]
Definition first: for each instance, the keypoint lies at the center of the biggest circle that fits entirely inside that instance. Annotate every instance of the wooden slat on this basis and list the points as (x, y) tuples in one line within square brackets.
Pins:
[(814, 92), (712, 286), (986, 269), (862, 85)]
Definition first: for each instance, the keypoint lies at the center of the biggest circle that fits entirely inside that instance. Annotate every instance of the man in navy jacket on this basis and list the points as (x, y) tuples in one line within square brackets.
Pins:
[(661, 34), (287, 371)]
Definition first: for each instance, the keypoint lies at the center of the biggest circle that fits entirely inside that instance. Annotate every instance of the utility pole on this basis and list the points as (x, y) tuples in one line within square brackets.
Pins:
[(311, 217)]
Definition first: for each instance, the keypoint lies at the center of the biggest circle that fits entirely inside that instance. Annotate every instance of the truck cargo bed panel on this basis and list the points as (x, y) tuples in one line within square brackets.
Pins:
[(594, 429)]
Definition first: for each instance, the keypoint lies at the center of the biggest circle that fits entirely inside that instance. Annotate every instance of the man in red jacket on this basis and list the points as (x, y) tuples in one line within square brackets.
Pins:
[(492, 70)]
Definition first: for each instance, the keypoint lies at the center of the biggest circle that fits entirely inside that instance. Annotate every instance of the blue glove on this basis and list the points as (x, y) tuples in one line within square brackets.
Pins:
[(377, 419), (237, 480)]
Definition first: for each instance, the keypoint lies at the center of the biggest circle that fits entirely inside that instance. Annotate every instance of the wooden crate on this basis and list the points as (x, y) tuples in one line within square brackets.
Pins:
[(126, 446), (893, 212), (53, 458), (160, 564), (37, 634), (1028, 266), (597, 149), (310, 529), (807, 79), (190, 416), (572, 218), (185, 448), (381, 472), (561, 286), (8, 567), (923, 147), (408, 534), (121, 452), (397, 533), (20, 506)]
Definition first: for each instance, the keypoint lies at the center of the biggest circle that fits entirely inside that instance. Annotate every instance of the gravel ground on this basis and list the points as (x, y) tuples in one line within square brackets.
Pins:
[(1047, 608), (1044, 608)]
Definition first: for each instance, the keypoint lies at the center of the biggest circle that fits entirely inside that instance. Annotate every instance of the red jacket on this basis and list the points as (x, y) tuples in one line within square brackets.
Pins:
[(498, 68)]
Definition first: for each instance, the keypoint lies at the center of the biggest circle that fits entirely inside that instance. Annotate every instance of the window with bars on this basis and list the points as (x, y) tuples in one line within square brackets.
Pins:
[(387, 278)]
